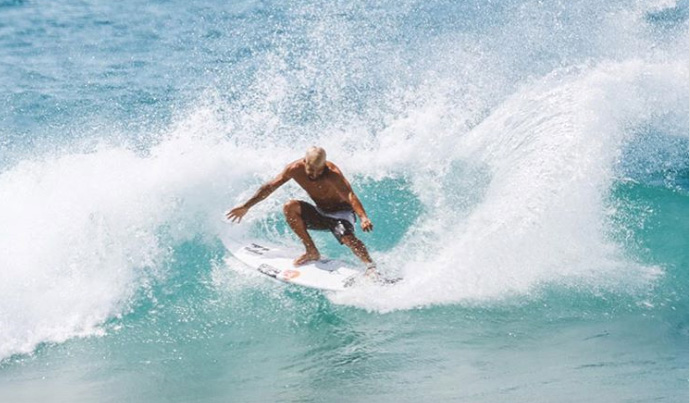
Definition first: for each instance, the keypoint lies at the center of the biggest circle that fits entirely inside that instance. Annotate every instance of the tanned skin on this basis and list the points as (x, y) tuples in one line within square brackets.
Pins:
[(325, 184)]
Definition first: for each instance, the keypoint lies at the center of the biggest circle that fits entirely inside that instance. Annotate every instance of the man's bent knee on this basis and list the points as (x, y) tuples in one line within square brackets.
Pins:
[(292, 208)]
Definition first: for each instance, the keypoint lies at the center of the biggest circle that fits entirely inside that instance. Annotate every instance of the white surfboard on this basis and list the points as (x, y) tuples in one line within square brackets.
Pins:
[(276, 262)]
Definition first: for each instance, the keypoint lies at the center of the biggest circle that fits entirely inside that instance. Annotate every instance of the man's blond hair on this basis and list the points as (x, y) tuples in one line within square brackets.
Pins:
[(315, 156)]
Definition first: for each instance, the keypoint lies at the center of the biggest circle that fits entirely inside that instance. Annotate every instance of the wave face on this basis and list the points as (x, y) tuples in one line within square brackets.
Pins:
[(510, 155)]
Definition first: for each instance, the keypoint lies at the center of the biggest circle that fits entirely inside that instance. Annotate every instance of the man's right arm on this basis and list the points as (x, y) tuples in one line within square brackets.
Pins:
[(264, 191), (269, 187)]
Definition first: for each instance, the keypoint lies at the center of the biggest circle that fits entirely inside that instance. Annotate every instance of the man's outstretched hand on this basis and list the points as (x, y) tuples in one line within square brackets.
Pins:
[(367, 225), (236, 214)]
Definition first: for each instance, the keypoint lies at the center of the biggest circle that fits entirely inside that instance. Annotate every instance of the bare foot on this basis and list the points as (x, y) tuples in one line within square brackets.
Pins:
[(310, 256), (371, 273)]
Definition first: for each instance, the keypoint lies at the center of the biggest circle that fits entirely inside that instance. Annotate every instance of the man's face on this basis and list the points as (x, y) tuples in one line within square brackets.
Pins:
[(314, 170)]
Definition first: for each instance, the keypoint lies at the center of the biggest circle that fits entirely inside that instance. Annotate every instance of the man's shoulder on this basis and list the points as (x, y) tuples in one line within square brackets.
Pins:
[(334, 173), (294, 166), (333, 168)]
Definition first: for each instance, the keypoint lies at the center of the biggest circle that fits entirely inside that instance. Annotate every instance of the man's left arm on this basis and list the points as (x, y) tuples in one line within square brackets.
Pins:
[(359, 210), (355, 203)]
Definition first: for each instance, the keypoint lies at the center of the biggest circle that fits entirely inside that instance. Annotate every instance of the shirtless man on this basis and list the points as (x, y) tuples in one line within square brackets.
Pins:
[(336, 206)]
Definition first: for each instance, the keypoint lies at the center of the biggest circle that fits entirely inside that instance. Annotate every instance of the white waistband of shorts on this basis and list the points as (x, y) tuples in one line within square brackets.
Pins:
[(347, 215)]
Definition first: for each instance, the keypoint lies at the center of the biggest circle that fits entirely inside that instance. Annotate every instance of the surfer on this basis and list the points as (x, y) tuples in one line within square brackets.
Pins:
[(336, 206)]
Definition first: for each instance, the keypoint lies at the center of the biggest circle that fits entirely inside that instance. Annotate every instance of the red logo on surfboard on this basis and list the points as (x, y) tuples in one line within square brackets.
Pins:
[(290, 274)]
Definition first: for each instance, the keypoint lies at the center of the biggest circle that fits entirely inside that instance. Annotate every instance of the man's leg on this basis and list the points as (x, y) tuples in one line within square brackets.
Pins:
[(360, 251), (293, 215), (357, 248)]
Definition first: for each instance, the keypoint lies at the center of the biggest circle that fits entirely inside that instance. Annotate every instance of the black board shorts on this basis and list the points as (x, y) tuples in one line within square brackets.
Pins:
[(340, 223)]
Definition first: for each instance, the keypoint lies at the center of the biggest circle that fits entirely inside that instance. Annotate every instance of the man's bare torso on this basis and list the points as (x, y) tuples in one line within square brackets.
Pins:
[(329, 191)]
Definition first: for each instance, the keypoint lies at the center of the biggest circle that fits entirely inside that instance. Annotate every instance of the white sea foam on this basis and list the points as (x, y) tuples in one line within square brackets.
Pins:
[(550, 153), (82, 232)]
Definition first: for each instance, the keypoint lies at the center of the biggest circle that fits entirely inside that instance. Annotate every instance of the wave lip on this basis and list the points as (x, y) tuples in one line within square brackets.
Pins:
[(548, 158)]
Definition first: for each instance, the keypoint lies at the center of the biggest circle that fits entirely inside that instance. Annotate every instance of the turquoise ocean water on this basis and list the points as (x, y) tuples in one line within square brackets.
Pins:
[(525, 165)]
